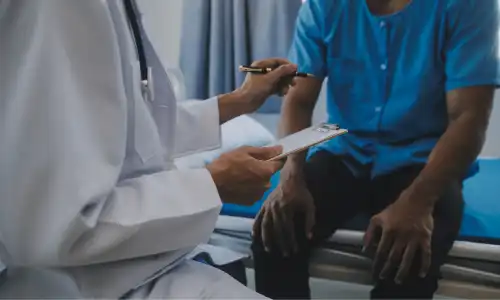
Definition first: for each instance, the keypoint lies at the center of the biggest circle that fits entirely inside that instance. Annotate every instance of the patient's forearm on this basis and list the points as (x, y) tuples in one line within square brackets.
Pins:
[(297, 111), (449, 161), (469, 110), (295, 117)]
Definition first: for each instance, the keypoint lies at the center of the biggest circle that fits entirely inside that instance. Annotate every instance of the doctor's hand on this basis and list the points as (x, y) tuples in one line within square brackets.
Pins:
[(258, 87), (242, 176)]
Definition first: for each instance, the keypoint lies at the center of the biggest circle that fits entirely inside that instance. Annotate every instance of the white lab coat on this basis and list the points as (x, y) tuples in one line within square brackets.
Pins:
[(87, 183)]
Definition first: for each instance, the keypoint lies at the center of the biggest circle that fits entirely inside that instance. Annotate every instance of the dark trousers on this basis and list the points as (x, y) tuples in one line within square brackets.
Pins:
[(339, 196)]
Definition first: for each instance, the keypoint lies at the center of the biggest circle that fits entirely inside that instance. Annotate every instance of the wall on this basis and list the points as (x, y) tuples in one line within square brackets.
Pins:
[(163, 19), (492, 146)]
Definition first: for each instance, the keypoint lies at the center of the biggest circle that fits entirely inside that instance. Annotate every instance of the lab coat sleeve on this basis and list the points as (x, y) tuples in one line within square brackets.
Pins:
[(198, 126), (64, 115)]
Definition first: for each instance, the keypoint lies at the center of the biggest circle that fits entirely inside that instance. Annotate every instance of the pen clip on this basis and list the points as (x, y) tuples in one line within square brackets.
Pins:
[(257, 70), (254, 69)]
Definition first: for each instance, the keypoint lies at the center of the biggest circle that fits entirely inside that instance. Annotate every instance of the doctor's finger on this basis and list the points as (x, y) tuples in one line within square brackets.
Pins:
[(283, 90), (272, 62), (264, 153), (282, 75), (274, 166)]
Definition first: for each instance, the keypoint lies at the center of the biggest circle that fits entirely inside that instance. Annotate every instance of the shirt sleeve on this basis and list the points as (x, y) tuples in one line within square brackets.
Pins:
[(198, 127), (308, 50), (471, 54), (67, 120)]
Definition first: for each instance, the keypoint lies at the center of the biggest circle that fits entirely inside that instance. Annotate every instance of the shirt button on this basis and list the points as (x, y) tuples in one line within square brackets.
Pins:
[(383, 67), (382, 24), (378, 109)]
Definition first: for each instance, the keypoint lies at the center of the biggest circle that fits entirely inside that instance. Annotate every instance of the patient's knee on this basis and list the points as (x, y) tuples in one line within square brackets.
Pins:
[(413, 287)]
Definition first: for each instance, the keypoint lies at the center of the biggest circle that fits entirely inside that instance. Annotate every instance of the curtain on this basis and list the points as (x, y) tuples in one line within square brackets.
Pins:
[(220, 35)]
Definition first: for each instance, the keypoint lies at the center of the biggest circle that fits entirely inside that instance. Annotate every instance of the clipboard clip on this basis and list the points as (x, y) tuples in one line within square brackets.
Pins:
[(325, 127)]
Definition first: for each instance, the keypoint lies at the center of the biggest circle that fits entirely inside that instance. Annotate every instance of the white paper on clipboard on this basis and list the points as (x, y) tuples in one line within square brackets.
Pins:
[(304, 139)]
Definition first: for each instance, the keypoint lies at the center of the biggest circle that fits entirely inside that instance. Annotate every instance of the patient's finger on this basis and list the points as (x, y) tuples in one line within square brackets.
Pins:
[(257, 223), (266, 229), (426, 258), (393, 260), (369, 235), (279, 232), (310, 221), (290, 232), (382, 252), (406, 263)]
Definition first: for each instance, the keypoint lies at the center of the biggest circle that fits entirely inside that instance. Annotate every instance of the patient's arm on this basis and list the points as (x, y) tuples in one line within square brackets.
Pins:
[(309, 52), (471, 76), (297, 112), (469, 111)]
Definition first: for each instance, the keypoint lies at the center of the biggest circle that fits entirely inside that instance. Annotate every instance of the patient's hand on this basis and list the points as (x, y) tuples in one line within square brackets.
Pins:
[(243, 176), (405, 234), (275, 223)]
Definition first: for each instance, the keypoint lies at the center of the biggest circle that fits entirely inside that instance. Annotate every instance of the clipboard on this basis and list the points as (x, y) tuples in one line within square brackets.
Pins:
[(309, 137)]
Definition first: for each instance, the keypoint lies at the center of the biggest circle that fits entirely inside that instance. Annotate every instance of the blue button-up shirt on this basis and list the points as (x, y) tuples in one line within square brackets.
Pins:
[(388, 75)]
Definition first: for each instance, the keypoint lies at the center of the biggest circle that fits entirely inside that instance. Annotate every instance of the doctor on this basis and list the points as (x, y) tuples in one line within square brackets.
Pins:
[(89, 131)]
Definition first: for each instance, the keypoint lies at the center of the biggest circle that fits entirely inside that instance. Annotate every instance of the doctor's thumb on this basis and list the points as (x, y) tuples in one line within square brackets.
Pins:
[(275, 166)]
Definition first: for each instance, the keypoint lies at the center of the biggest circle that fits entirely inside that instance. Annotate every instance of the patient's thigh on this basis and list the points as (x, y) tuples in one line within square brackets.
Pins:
[(337, 193)]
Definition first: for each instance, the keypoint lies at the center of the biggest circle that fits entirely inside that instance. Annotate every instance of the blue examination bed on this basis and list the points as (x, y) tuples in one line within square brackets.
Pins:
[(473, 269)]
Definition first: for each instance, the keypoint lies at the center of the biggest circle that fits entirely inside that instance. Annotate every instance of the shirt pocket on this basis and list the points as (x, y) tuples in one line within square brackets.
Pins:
[(146, 142)]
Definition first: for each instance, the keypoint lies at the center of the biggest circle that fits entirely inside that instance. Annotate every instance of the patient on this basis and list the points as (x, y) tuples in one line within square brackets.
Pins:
[(413, 81)]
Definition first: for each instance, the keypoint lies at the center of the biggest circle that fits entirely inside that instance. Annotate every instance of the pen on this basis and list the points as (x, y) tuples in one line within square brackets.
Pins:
[(257, 70)]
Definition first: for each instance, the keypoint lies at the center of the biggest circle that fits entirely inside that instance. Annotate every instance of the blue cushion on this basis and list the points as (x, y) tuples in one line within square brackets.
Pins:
[(481, 217), (248, 211), (481, 194)]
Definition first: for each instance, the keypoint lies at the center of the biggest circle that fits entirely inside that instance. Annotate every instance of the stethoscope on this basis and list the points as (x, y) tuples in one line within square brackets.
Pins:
[(134, 24), (147, 80)]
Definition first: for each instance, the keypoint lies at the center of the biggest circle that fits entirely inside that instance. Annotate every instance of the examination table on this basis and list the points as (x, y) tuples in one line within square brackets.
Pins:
[(473, 268)]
